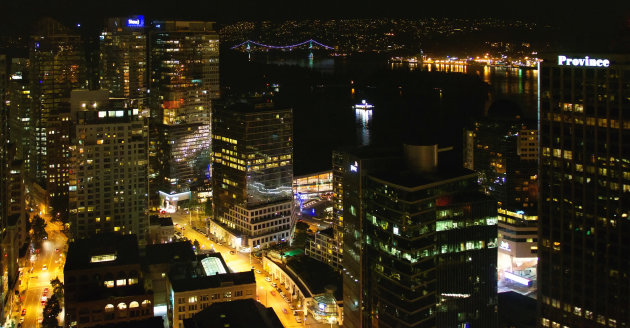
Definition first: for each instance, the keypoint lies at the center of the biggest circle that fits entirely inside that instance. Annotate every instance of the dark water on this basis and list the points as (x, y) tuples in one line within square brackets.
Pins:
[(322, 91)]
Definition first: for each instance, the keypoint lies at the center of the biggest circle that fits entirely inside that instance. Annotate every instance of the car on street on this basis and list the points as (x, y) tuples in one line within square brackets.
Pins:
[(273, 293), (232, 252), (267, 279), (44, 267), (45, 291), (285, 311), (258, 271), (298, 319), (292, 307), (23, 312)]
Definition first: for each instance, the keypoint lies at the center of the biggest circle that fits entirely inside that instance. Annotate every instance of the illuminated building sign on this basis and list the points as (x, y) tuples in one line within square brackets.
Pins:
[(587, 62), (505, 245), (518, 279), (355, 167), (137, 21)]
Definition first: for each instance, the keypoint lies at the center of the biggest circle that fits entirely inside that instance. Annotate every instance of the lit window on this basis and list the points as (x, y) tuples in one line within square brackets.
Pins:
[(121, 282), (122, 306), (134, 304), (109, 283)]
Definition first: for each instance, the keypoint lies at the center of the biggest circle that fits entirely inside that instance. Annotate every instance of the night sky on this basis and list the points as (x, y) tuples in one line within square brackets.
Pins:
[(575, 14)]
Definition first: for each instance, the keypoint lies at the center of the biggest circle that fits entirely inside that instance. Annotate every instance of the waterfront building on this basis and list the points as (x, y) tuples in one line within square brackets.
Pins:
[(252, 163), (583, 268), (108, 161)]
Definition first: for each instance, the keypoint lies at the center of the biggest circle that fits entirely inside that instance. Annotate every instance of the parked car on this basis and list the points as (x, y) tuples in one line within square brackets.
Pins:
[(268, 279), (298, 319), (23, 312), (258, 271)]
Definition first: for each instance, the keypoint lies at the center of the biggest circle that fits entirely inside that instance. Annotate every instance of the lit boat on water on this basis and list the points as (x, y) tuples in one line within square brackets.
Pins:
[(364, 106)]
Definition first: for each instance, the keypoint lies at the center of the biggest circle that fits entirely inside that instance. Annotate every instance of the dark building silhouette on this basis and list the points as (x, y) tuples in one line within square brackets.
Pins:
[(236, 314), (584, 268), (419, 242)]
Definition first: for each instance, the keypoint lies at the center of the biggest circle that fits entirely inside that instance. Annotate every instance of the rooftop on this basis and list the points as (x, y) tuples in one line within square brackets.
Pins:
[(169, 252), (217, 280), (317, 275), (235, 314), (102, 250), (164, 221)]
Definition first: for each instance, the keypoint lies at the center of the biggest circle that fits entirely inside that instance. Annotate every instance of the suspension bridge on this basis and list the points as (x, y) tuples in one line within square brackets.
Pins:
[(310, 44)]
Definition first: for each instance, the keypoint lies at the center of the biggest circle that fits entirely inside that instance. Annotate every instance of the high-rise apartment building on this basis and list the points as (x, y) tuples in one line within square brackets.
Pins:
[(584, 268), (184, 78), (504, 153), (419, 242), (252, 163), (108, 171), (123, 57), (57, 67)]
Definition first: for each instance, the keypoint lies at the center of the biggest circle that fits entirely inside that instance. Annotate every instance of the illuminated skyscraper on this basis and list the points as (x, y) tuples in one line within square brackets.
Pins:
[(108, 171), (57, 67), (12, 206), (252, 179), (584, 266), (19, 105), (184, 68), (419, 242), (123, 57)]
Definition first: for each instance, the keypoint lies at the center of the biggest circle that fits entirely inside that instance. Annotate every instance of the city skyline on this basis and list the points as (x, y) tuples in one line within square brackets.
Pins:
[(319, 167)]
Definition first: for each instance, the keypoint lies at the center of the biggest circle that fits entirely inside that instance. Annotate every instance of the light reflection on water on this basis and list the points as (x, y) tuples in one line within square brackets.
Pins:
[(363, 123)]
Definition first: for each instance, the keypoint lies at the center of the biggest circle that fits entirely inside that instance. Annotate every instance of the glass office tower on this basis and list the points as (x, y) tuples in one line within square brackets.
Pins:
[(57, 67), (419, 242), (584, 267), (252, 163)]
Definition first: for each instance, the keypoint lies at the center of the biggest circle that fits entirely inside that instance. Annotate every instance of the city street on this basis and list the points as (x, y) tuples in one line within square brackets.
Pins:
[(46, 265), (238, 261)]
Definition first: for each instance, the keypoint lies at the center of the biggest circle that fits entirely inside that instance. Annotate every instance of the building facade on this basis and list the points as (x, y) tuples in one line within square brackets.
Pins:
[(104, 282), (324, 248), (213, 283), (123, 57), (584, 191), (108, 176), (57, 67), (184, 78), (252, 163), (504, 152)]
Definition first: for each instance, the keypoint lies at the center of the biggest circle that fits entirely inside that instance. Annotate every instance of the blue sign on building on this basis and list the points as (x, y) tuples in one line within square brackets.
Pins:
[(136, 21)]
